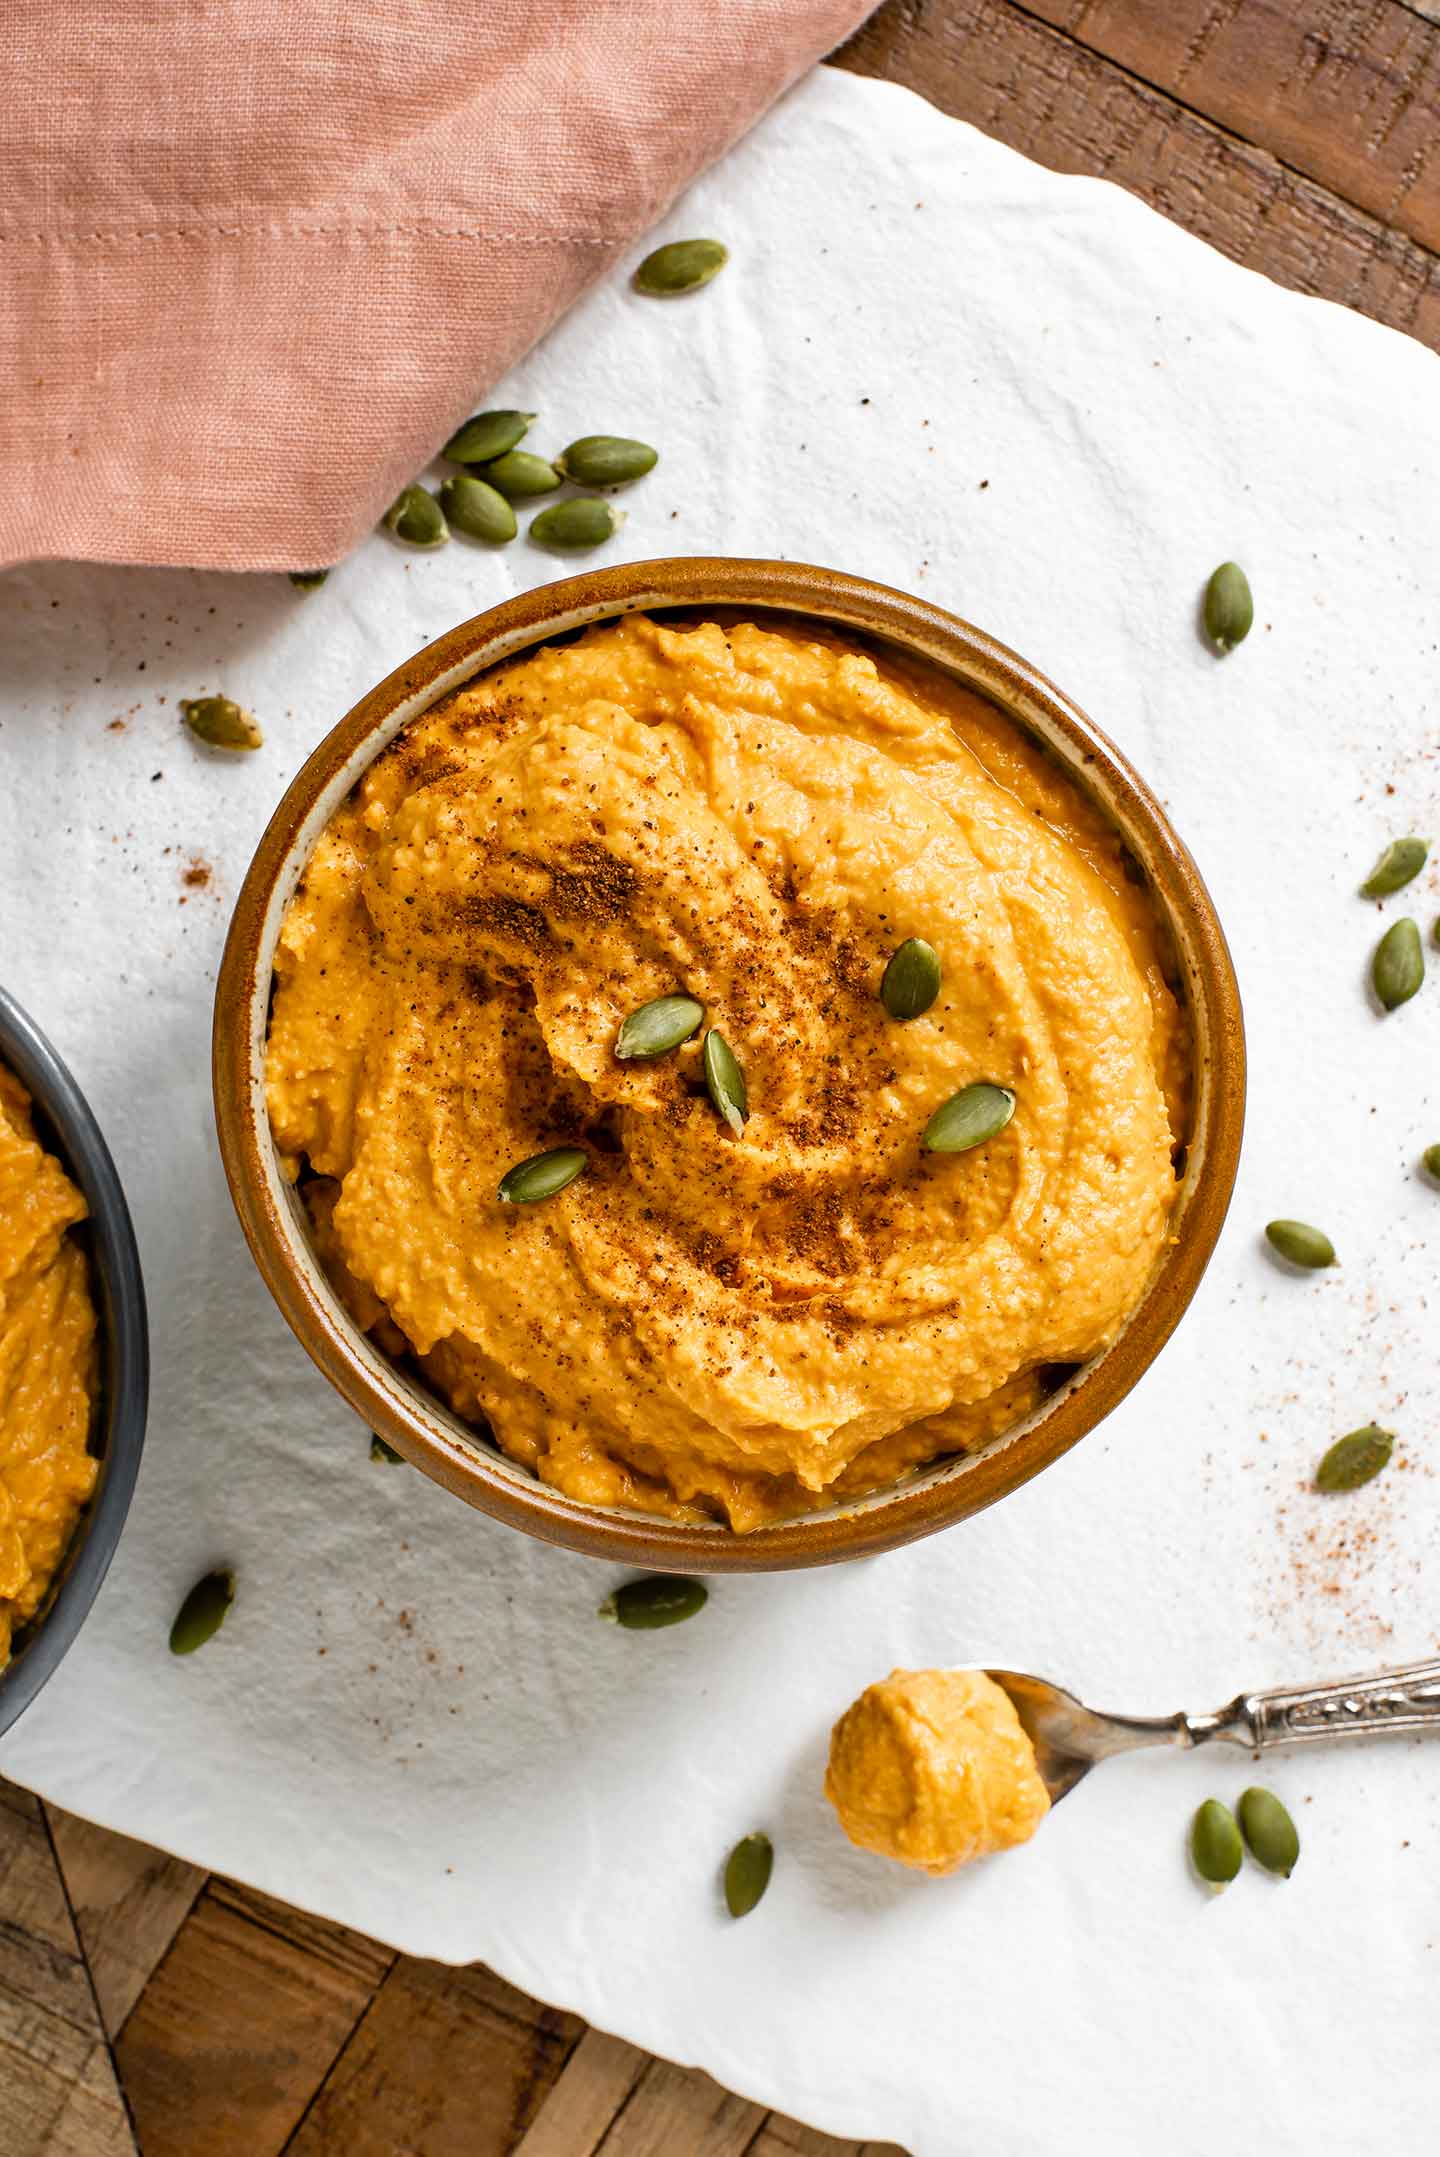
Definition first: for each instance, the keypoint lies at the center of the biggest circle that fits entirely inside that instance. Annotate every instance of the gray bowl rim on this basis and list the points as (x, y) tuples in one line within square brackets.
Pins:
[(124, 1354)]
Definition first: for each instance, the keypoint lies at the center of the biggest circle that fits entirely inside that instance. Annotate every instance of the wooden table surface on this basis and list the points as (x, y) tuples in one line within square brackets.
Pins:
[(146, 2006)]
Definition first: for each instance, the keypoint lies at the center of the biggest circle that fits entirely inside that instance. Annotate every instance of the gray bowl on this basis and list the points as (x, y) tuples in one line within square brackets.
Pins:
[(117, 1430)]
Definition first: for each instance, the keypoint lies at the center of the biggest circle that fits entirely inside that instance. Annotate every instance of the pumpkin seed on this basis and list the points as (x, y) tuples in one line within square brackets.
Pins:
[(1216, 1850), (519, 474), (543, 1175), (416, 517), (725, 1082), (202, 1613), (656, 1599), (1269, 1831), (606, 460), (221, 723), (1401, 860), (681, 266), (308, 580), (379, 1450), (911, 981), (1431, 1158), (968, 1118), (747, 1873), (1229, 608), (1355, 1459), (477, 509), (584, 521), (657, 1028), (1398, 967), (487, 436), (1300, 1244)]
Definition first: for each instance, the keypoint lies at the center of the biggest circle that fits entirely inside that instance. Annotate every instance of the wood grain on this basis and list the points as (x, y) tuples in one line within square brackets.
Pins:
[(129, 1902), (598, 2077), (675, 2108), (240, 2024), (58, 2092), (1345, 91), (445, 2062), (781, 2137), (1073, 109), (787, 2138)]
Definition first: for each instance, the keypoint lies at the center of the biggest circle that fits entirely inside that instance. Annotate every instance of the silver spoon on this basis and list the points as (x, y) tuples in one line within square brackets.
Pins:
[(1069, 1738)]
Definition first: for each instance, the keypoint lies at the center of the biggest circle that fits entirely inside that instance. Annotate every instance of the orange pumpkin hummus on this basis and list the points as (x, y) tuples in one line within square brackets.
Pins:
[(710, 1324), (47, 1364), (932, 1768)]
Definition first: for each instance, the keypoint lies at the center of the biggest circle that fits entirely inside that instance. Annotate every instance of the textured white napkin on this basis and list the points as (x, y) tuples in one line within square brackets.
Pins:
[(1031, 399)]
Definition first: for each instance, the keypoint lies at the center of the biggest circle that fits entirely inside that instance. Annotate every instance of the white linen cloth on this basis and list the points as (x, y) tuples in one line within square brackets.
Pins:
[(1033, 400)]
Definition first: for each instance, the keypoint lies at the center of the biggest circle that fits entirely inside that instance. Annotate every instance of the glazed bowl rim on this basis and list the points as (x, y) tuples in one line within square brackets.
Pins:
[(410, 1418), (119, 1286)]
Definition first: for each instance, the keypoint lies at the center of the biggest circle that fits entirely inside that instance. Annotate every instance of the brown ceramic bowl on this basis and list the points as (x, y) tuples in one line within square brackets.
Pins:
[(417, 1423)]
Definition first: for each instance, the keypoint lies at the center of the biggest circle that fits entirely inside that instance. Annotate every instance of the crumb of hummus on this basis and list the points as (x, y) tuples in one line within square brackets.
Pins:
[(932, 1768), (47, 1364), (706, 1324)]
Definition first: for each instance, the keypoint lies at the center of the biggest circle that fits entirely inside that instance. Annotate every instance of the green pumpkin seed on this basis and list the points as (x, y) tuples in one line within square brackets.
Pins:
[(584, 521), (1398, 967), (417, 518), (487, 436), (1431, 1158), (657, 1028), (221, 723), (656, 1599), (379, 1450), (606, 460), (202, 1613), (308, 580), (1216, 1850), (681, 266), (968, 1118), (725, 1082), (1401, 860), (911, 981), (1229, 608), (1299, 1244), (1269, 1831), (1355, 1459), (747, 1873), (519, 475), (543, 1175), (477, 509)]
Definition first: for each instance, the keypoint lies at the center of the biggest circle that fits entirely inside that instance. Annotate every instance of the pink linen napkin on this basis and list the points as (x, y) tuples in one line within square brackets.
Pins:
[(258, 257)]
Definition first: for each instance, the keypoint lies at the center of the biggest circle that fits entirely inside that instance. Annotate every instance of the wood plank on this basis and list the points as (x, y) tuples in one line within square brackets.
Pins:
[(781, 2137), (445, 2063), (1345, 91), (1036, 89), (240, 2024), (58, 2093), (92, 2121), (597, 2078), (677, 2108), (129, 1902)]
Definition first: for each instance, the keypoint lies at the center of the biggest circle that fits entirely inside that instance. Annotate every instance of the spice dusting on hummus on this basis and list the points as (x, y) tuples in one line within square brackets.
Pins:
[(932, 1768), (47, 1364), (706, 1323)]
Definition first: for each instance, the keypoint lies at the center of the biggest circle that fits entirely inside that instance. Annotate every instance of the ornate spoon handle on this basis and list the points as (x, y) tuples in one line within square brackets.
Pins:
[(1398, 1700)]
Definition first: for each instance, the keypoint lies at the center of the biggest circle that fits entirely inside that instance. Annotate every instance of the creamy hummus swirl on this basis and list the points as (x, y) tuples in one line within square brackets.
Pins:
[(756, 816)]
